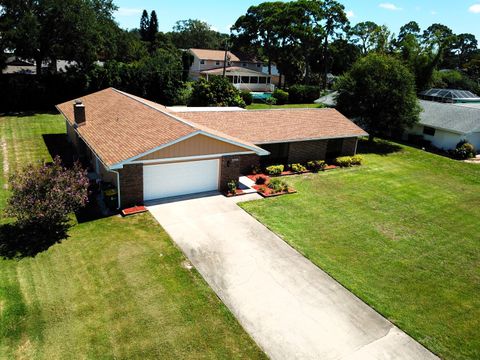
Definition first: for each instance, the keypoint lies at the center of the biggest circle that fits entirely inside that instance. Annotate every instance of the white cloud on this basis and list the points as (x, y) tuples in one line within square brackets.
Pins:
[(389, 6), (433, 12), (474, 9), (129, 11), (350, 14)]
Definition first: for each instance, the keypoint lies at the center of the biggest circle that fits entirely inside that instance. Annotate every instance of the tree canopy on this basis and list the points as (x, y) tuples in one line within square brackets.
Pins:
[(380, 92), (191, 33), (51, 29)]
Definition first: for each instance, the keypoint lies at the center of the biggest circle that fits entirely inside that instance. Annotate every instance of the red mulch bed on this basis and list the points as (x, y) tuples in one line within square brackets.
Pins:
[(134, 210), (265, 191), (237, 192)]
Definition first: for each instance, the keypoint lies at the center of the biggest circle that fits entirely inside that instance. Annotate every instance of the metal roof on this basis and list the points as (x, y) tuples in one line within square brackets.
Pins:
[(450, 117)]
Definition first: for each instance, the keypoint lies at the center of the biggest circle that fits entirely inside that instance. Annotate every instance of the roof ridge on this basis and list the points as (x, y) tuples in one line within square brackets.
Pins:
[(193, 125), (137, 98)]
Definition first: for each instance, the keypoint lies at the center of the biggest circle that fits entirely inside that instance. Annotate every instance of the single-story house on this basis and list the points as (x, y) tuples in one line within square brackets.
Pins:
[(444, 125), (149, 152)]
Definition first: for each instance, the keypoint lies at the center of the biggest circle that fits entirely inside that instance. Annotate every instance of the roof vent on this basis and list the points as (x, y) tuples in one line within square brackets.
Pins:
[(79, 112)]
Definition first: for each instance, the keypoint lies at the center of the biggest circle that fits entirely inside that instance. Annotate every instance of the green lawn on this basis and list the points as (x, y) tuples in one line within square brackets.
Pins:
[(403, 233), (115, 289), (288, 106)]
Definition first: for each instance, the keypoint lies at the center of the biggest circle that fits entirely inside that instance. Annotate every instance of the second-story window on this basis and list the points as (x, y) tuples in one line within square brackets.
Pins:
[(202, 62), (244, 64), (217, 63)]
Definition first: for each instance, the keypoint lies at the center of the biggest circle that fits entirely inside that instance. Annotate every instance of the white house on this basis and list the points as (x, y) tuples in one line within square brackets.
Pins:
[(445, 124), (244, 74), (244, 79)]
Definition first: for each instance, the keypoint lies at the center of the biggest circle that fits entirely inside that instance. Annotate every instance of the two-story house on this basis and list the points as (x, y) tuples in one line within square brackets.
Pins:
[(244, 74)]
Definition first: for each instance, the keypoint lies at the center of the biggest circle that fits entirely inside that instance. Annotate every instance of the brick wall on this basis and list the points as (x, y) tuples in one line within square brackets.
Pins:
[(229, 170), (247, 162), (131, 185), (303, 151), (349, 146)]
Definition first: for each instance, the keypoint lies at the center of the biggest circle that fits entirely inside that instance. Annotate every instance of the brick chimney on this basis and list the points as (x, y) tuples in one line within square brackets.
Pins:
[(79, 112)]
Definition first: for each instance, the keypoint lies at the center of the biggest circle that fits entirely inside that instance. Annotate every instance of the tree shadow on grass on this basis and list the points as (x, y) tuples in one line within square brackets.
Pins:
[(18, 242), (379, 147)]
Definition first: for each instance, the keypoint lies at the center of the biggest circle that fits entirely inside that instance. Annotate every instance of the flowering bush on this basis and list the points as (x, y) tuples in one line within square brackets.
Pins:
[(298, 168), (44, 196), (274, 169)]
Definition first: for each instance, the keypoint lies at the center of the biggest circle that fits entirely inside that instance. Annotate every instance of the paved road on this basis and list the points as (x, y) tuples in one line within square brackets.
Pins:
[(290, 307)]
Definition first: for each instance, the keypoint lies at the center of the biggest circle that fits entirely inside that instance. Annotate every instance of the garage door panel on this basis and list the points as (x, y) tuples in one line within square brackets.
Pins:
[(174, 179)]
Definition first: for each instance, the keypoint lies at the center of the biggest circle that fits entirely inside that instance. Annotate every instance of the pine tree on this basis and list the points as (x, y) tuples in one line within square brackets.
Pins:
[(152, 27), (144, 26)]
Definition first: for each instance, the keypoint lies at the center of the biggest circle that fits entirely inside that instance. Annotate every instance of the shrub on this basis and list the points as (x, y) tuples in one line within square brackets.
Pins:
[(232, 186), (247, 97), (298, 168), (464, 150), (274, 169), (44, 196), (270, 101), (183, 94), (277, 185), (217, 91), (316, 165), (357, 160), (260, 180), (344, 161), (281, 96), (256, 170), (303, 94)]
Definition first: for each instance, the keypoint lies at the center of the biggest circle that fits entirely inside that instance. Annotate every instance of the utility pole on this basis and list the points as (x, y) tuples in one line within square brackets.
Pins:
[(225, 58)]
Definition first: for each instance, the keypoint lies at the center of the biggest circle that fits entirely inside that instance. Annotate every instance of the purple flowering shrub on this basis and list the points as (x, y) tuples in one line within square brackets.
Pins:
[(44, 196)]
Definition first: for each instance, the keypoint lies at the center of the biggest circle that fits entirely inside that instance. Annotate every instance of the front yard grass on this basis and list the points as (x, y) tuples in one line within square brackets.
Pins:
[(117, 288), (402, 232)]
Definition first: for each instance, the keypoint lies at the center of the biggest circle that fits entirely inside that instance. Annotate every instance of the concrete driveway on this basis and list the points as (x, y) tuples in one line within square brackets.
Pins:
[(291, 308)]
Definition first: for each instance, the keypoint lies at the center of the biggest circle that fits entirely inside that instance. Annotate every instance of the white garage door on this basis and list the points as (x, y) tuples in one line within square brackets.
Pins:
[(160, 181)]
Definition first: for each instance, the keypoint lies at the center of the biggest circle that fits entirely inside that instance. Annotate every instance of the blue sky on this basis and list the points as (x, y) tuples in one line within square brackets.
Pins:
[(460, 15)]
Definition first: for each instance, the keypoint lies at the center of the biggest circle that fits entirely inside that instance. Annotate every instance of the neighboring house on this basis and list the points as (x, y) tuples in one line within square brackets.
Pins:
[(15, 65), (245, 74), (149, 151), (445, 125), (244, 79)]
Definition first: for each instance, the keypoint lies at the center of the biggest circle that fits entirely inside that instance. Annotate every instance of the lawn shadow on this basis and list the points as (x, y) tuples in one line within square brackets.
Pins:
[(18, 242), (379, 147), (58, 145)]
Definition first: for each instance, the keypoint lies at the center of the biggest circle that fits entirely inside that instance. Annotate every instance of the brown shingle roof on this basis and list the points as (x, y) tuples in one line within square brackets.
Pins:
[(217, 55), (270, 126), (120, 126)]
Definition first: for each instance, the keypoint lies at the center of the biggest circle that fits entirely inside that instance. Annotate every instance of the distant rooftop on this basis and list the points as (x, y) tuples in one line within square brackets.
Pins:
[(458, 118), (449, 96)]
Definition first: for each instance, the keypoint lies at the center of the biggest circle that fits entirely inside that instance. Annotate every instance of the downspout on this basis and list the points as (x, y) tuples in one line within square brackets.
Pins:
[(118, 189)]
